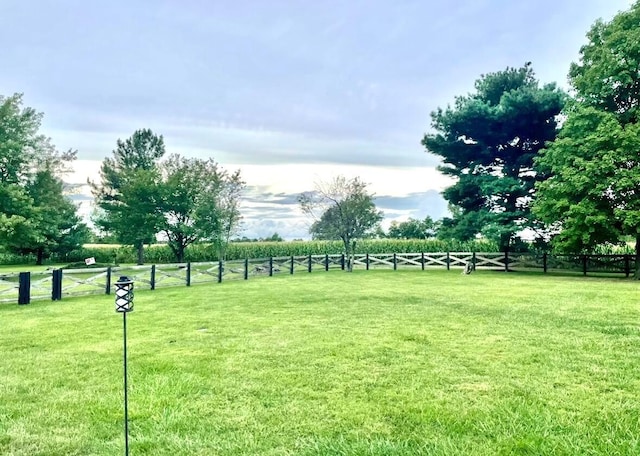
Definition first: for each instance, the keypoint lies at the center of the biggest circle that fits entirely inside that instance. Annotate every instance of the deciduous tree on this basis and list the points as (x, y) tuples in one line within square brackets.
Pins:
[(342, 209), (200, 202), (592, 194)]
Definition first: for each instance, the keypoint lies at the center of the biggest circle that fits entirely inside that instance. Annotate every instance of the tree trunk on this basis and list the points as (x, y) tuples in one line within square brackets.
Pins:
[(140, 248), (180, 253), (636, 274), (39, 256)]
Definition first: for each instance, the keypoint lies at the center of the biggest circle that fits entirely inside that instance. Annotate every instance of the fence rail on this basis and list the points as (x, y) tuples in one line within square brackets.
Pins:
[(58, 283)]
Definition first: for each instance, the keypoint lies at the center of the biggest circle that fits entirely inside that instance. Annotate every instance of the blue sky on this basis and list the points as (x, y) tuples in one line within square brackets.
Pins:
[(290, 92)]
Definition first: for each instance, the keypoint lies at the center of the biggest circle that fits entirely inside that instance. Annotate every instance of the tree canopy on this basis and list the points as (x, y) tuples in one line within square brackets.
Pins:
[(488, 141), (35, 214), (592, 194), (127, 195), (342, 209)]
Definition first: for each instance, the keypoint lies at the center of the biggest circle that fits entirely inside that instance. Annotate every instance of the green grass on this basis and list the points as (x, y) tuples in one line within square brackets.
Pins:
[(369, 363)]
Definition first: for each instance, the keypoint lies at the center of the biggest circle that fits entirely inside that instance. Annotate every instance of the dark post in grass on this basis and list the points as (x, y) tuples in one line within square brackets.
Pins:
[(326, 261), (246, 269), (24, 288), (124, 305), (291, 266), (56, 285), (422, 260), (153, 277), (395, 262), (310, 265), (189, 274), (107, 288), (367, 260), (270, 266), (220, 270)]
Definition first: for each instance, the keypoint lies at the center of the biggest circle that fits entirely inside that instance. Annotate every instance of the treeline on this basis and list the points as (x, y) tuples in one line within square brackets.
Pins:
[(161, 253)]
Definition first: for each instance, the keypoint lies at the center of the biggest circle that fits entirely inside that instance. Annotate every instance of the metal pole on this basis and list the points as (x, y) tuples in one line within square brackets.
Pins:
[(126, 410)]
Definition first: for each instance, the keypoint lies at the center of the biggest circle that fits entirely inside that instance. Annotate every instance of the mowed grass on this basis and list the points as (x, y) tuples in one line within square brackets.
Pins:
[(369, 363)]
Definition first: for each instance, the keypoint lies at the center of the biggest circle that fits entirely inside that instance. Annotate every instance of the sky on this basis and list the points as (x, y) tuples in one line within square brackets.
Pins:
[(290, 92)]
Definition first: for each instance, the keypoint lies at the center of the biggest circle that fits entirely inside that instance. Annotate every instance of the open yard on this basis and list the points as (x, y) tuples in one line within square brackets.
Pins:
[(369, 363)]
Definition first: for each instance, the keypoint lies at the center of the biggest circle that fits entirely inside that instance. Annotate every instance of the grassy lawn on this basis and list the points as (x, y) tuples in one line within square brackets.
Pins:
[(369, 363)]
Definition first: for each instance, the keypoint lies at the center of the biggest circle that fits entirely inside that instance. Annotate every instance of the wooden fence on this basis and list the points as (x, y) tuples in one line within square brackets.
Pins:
[(58, 283)]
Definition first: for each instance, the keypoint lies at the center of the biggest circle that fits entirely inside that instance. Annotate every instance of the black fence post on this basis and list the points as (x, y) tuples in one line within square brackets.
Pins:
[(627, 266), (395, 262), (220, 270), (367, 261), (153, 277), (448, 261), (422, 260), (584, 264), (246, 268), (544, 262), (189, 274), (24, 288), (107, 288), (342, 262), (309, 267), (270, 266), (473, 261), (291, 266), (326, 261), (56, 285), (506, 261)]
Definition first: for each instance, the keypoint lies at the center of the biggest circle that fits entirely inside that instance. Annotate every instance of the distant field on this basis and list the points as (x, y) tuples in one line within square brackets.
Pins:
[(369, 363)]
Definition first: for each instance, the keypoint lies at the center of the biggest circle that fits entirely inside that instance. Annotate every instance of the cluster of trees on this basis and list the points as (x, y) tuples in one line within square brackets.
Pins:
[(531, 158), (143, 195), (36, 214)]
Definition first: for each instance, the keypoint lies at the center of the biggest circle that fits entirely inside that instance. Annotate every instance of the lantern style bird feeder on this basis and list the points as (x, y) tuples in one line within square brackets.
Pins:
[(124, 305), (124, 294)]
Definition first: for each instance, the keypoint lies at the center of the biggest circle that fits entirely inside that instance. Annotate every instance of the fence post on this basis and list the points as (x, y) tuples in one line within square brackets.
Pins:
[(107, 288), (422, 260), (342, 262), (448, 262), (584, 264), (153, 277), (291, 267), (24, 288), (246, 268), (473, 261), (56, 285), (309, 267), (326, 261), (270, 266), (189, 274), (544, 262), (627, 266), (220, 270), (506, 261), (395, 262)]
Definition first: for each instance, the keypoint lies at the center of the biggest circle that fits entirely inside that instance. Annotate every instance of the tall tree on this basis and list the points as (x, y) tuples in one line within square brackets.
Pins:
[(127, 195), (35, 215), (342, 209), (487, 142), (200, 202), (592, 194)]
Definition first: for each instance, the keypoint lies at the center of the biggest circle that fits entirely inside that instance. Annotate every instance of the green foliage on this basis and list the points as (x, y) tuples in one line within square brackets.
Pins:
[(488, 141), (343, 209), (200, 202), (414, 229), (592, 195), (607, 76), (35, 215), (128, 195)]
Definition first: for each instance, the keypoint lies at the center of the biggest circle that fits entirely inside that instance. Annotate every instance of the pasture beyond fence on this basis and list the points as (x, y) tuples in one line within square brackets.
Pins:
[(58, 283)]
